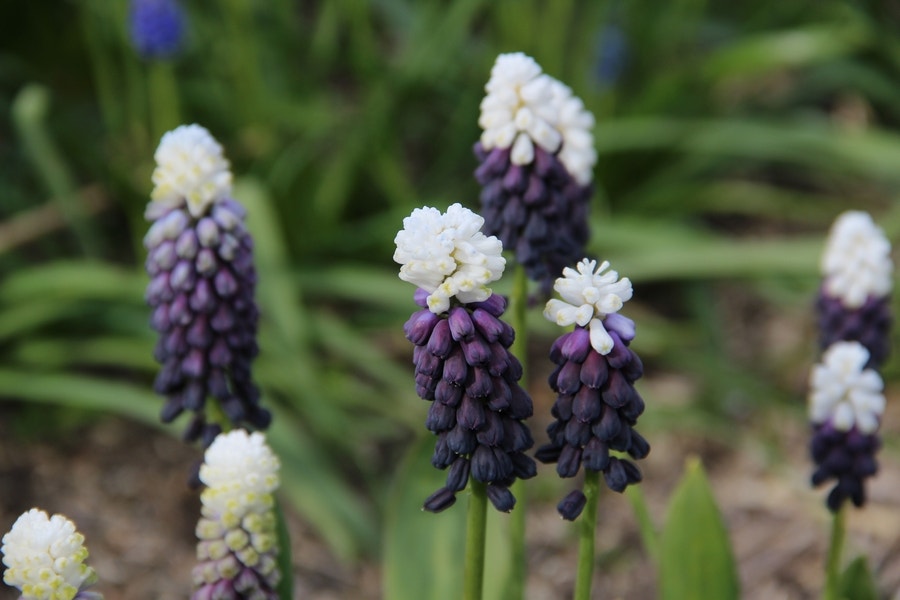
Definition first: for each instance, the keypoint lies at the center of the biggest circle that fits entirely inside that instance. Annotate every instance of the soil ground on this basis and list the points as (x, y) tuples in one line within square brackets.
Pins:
[(124, 485)]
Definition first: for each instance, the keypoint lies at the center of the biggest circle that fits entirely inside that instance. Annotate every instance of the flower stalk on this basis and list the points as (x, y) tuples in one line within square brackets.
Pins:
[(585, 573), (476, 534)]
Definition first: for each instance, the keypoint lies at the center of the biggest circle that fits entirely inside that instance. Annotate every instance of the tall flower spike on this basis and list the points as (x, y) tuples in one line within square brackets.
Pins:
[(845, 407), (462, 359), (157, 28), (597, 406), (238, 545), (202, 283), (537, 158), (44, 558), (854, 300)]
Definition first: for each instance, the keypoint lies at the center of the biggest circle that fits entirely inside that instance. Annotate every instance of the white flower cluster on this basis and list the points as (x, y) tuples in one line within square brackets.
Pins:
[(856, 263), (588, 296), (240, 472), (447, 255), (237, 527), (44, 557), (843, 391), (524, 106), (191, 170)]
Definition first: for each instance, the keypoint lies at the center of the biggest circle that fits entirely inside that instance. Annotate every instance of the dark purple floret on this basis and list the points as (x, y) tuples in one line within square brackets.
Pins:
[(595, 411), (202, 295), (157, 28), (537, 210), (846, 458), (464, 367), (870, 325)]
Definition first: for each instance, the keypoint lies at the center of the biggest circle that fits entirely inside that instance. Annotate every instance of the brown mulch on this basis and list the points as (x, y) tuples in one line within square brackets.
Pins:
[(124, 486)]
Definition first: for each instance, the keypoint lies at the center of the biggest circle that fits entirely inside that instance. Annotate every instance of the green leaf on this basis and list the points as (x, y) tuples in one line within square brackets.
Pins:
[(285, 588), (857, 582), (696, 559), (312, 483), (423, 553)]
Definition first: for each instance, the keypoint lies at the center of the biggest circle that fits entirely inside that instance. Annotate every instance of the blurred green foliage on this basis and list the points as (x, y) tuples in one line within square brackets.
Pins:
[(730, 134)]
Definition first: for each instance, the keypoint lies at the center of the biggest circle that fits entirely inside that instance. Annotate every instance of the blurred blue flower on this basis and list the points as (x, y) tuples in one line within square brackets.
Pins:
[(612, 55), (157, 27)]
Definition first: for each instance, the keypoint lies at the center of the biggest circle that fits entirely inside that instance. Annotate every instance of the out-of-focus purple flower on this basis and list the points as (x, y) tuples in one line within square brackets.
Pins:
[(536, 156), (597, 406), (157, 28), (854, 300), (845, 407), (461, 356), (238, 544), (45, 559), (612, 55), (202, 283)]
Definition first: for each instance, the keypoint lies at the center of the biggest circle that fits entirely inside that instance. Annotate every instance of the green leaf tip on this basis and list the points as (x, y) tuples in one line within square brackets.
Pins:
[(696, 559)]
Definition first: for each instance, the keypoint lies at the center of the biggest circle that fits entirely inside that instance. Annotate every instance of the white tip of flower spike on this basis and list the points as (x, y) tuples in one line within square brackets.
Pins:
[(844, 392), (587, 296), (44, 557), (191, 170), (525, 107), (241, 472), (856, 263), (447, 255)]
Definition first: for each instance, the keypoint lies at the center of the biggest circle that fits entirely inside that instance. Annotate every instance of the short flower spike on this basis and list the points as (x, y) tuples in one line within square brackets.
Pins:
[(462, 358), (202, 286), (447, 255), (45, 559), (597, 406), (537, 157), (238, 545), (846, 404), (854, 300)]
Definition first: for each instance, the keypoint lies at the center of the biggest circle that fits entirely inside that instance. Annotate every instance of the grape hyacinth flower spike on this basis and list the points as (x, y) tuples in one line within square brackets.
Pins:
[(44, 558), (202, 282), (462, 359), (157, 28), (238, 544), (845, 407), (854, 300), (597, 406), (536, 156)]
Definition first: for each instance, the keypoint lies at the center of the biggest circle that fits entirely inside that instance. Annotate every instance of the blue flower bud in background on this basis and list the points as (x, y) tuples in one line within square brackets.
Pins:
[(202, 283), (612, 55), (156, 27)]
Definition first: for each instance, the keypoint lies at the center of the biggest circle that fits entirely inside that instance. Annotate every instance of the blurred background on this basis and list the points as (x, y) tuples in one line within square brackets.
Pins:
[(730, 135)]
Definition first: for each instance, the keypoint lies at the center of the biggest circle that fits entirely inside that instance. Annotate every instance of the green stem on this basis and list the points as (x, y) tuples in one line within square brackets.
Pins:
[(29, 112), (475, 538), (585, 572), (649, 537), (163, 93), (833, 566), (515, 585)]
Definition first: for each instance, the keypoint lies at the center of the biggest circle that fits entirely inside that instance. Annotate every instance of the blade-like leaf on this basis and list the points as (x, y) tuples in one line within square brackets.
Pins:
[(696, 559), (857, 582), (423, 552)]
